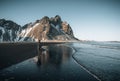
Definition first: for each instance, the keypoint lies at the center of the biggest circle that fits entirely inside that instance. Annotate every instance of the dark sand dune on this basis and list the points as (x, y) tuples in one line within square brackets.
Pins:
[(12, 53)]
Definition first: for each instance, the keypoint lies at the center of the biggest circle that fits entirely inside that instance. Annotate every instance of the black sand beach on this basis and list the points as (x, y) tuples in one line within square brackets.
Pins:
[(12, 53), (53, 63)]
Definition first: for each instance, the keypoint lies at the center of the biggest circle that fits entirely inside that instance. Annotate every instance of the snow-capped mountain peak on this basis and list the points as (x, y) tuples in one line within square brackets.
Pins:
[(44, 29)]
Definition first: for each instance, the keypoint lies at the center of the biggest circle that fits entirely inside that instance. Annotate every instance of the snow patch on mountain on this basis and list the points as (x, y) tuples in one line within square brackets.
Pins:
[(44, 29)]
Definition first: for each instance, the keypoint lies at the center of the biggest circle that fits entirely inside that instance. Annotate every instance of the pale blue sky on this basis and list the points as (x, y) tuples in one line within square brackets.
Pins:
[(90, 19)]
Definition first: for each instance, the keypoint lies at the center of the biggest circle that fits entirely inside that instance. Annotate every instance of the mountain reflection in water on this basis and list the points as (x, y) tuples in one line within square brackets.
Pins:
[(46, 55)]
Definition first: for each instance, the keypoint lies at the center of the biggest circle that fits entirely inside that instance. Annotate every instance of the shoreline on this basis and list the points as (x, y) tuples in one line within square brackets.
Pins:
[(60, 60), (84, 68), (82, 59), (68, 46)]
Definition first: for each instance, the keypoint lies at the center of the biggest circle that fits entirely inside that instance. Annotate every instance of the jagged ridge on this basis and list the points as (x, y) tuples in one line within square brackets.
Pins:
[(44, 29)]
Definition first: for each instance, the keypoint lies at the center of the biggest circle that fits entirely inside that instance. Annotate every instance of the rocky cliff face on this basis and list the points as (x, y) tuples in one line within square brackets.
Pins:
[(44, 29), (9, 30)]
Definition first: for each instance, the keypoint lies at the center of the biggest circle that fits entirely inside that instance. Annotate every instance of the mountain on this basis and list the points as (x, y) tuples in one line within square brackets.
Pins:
[(44, 29), (9, 30)]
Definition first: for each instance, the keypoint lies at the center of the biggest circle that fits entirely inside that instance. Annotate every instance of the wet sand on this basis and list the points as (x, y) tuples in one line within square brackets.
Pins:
[(53, 63)]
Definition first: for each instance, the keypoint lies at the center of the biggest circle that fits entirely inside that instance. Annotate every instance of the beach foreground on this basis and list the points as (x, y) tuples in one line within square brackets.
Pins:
[(53, 63), (90, 61)]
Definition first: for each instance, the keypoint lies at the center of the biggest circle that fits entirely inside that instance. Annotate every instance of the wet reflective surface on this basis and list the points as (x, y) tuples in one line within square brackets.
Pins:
[(55, 55), (100, 58), (53, 63)]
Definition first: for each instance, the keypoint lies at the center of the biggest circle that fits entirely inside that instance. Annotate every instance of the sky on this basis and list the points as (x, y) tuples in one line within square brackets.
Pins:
[(97, 20)]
